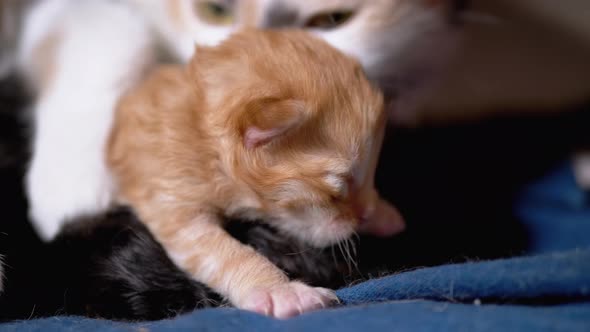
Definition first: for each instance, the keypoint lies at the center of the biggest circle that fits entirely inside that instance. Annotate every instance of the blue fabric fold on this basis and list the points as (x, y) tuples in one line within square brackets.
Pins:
[(414, 316), (542, 278), (480, 296)]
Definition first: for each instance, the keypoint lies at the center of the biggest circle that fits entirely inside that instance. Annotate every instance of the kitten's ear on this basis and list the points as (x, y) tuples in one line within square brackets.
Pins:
[(263, 122)]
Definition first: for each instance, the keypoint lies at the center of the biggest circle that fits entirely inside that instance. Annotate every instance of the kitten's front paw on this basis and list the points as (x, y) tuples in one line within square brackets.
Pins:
[(288, 300)]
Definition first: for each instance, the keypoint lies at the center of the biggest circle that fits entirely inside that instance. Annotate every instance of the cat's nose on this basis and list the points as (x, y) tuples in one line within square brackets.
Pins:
[(363, 203), (385, 221), (362, 214), (279, 16), (378, 217)]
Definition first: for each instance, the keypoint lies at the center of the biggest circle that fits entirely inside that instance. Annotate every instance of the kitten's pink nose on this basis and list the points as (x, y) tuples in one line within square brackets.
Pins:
[(374, 215), (381, 220), (363, 215)]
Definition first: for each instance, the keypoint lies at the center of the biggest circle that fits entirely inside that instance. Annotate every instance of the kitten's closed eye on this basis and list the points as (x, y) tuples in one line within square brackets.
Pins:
[(340, 186)]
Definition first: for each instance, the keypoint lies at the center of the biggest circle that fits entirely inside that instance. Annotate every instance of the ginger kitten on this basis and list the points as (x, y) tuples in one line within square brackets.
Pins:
[(80, 56), (277, 126)]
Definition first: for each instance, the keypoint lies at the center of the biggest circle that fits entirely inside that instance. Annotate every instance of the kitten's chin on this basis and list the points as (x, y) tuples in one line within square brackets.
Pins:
[(337, 231), (321, 234)]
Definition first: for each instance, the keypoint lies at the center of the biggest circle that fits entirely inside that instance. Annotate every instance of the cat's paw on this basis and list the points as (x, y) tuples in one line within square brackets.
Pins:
[(65, 186), (288, 300)]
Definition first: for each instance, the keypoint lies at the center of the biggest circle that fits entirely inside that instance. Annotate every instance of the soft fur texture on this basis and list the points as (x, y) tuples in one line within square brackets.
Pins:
[(294, 142), (63, 53), (110, 266)]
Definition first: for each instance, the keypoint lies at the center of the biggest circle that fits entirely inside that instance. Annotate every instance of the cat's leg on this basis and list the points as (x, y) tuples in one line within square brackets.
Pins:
[(98, 49), (249, 280)]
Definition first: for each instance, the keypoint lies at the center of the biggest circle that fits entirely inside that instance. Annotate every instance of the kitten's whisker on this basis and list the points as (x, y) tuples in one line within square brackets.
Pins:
[(351, 247), (356, 236), (345, 247), (32, 312), (298, 252), (353, 244), (334, 255), (349, 257), (346, 259)]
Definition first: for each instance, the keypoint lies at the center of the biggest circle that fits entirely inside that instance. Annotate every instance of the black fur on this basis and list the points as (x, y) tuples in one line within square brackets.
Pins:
[(126, 274)]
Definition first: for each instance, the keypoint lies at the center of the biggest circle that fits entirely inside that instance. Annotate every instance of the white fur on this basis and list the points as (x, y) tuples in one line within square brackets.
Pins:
[(337, 183), (316, 226), (39, 22), (181, 37), (102, 46)]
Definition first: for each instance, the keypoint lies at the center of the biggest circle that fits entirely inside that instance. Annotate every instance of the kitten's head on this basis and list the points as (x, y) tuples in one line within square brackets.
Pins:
[(300, 128)]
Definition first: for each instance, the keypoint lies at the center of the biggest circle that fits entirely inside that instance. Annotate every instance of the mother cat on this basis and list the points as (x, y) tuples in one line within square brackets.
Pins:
[(80, 56)]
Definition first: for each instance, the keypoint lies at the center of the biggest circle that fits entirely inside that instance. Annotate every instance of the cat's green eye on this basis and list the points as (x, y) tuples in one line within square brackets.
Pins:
[(215, 12), (329, 20)]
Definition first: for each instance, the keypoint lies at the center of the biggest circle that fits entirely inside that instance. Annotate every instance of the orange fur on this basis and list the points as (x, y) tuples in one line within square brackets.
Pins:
[(277, 126)]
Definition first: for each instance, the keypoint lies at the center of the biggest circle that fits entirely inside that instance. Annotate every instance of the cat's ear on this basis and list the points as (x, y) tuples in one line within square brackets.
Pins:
[(263, 122)]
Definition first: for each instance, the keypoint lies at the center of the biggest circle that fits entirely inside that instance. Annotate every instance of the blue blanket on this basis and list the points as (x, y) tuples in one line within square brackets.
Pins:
[(501, 295), (538, 292)]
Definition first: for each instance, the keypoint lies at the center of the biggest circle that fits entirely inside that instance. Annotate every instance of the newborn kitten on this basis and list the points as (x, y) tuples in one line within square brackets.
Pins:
[(276, 126), (81, 55)]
